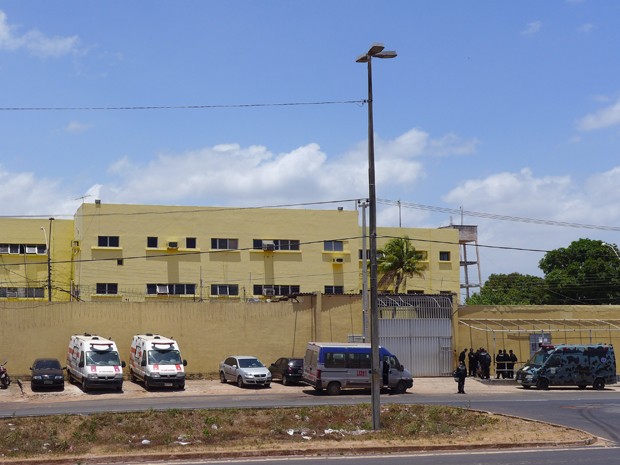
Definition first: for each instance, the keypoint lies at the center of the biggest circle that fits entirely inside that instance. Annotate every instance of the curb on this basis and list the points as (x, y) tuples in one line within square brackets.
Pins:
[(307, 452)]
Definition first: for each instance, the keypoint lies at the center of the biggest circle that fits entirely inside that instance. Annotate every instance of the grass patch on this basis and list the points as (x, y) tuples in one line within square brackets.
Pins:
[(175, 430)]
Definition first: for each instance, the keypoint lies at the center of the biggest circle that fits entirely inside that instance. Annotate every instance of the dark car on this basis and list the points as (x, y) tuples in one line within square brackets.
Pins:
[(47, 373), (289, 370)]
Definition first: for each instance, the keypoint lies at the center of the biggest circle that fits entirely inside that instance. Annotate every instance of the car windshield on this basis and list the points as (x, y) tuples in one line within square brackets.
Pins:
[(539, 358), (250, 363), (47, 365), (296, 362), (108, 358), (164, 357)]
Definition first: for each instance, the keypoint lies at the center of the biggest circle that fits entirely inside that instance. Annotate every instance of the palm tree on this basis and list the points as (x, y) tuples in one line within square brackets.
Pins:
[(397, 261)]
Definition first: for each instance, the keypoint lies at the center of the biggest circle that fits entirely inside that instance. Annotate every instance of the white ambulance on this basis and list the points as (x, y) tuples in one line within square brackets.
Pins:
[(156, 361), (93, 362)]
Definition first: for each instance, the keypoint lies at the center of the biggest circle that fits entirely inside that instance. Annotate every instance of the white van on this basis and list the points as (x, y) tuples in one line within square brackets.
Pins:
[(335, 366), (156, 361), (93, 362)]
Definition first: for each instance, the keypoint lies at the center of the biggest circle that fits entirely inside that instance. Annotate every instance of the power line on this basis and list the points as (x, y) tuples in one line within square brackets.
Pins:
[(495, 216), (185, 107)]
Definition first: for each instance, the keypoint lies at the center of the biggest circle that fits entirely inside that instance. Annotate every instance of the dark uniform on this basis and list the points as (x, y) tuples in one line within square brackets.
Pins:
[(461, 373)]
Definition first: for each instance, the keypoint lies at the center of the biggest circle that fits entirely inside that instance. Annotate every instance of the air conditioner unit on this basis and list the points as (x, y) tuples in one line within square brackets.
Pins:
[(173, 245), (268, 245), (268, 291), (338, 260)]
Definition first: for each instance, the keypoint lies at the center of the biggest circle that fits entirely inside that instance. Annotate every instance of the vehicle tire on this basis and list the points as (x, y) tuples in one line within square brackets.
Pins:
[(333, 388), (598, 384), (526, 386), (285, 380), (222, 377), (400, 388), (84, 387), (240, 382), (582, 386), (182, 386), (543, 383), (268, 385), (132, 376)]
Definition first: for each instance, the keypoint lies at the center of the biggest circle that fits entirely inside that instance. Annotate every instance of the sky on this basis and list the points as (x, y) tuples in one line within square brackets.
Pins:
[(500, 114)]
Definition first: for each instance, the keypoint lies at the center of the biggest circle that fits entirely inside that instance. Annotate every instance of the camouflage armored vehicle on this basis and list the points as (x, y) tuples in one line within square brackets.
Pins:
[(570, 365)]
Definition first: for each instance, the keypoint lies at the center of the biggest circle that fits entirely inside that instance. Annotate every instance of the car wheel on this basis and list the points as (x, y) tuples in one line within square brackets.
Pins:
[(333, 388), (598, 384), (132, 376), (285, 380), (182, 386), (543, 383), (582, 386), (33, 388), (526, 386), (401, 387), (268, 385), (240, 382), (222, 377), (84, 387)]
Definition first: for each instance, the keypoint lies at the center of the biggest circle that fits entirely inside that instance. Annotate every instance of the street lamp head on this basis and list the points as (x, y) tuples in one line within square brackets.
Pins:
[(386, 54), (376, 51)]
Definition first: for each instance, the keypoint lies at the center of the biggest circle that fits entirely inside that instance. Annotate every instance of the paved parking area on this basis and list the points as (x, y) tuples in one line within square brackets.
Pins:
[(424, 386)]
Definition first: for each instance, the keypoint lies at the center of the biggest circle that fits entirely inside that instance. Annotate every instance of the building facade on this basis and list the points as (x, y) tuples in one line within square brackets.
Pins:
[(137, 253)]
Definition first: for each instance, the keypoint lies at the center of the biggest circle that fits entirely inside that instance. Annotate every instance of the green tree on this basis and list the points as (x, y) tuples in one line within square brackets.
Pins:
[(585, 272), (510, 289), (396, 261)]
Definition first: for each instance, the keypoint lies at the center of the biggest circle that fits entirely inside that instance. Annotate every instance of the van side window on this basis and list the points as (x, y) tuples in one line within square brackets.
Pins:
[(334, 360), (358, 361)]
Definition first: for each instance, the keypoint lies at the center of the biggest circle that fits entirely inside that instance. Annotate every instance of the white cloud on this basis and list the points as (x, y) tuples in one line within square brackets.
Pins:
[(34, 41), (532, 28), (552, 198), (77, 127), (603, 118), (25, 194), (587, 27), (234, 175)]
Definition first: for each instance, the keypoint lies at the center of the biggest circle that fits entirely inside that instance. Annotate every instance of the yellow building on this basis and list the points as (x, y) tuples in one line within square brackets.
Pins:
[(28, 268), (136, 253)]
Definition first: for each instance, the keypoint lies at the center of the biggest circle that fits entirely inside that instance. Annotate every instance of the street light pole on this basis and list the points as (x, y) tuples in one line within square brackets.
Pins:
[(48, 246), (364, 204), (375, 51)]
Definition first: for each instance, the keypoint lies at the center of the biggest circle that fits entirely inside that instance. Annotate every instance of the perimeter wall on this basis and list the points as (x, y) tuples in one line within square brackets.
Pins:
[(207, 332)]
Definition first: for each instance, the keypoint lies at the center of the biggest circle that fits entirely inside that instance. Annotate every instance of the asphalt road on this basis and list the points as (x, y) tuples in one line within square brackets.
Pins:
[(589, 410), (574, 456)]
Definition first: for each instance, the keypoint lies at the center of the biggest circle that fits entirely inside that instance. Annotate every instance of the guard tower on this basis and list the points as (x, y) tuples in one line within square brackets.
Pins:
[(468, 236)]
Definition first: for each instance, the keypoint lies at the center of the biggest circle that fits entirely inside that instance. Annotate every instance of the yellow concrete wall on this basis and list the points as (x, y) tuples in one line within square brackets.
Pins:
[(206, 332), (31, 270), (573, 322)]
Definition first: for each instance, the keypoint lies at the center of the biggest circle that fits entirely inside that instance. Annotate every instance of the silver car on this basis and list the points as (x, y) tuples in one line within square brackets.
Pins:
[(244, 370)]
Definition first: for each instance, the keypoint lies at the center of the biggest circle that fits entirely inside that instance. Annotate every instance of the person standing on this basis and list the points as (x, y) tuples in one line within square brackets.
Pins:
[(462, 355), (500, 365), (512, 360), (460, 374), (473, 362), (484, 359)]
